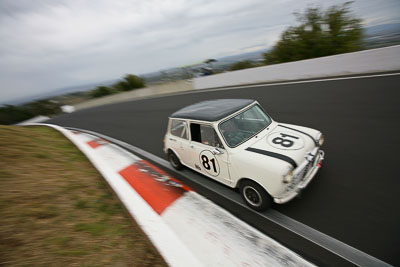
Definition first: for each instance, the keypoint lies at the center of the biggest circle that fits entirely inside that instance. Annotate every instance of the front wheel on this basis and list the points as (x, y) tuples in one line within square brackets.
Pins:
[(255, 196), (174, 160)]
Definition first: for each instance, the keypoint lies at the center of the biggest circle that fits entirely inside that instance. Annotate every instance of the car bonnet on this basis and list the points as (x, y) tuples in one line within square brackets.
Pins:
[(285, 143)]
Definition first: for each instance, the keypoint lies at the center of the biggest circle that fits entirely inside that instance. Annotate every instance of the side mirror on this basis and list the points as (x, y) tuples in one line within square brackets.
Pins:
[(216, 151)]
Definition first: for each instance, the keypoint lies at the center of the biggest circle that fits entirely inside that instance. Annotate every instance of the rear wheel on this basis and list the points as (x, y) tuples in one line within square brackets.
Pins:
[(255, 196), (174, 160)]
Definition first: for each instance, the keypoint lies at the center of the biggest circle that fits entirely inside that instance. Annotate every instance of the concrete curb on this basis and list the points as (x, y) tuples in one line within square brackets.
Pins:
[(167, 243)]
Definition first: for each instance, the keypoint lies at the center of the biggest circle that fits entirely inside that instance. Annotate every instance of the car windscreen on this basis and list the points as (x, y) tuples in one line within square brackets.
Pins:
[(244, 126)]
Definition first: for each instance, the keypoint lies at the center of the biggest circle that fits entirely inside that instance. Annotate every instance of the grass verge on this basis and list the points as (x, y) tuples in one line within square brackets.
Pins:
[(57, 210)]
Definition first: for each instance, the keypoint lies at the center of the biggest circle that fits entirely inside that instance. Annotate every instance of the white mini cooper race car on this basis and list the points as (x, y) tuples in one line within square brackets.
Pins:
[(236, 143)]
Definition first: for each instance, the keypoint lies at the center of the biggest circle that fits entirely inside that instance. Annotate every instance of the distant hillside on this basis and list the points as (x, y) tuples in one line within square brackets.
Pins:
[(222, 64), (57, 92), (382, 35), (225, 62), (381, 29)]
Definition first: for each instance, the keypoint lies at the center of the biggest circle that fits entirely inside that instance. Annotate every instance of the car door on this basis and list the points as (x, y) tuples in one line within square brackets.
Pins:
[(207, 154), (178, 139)]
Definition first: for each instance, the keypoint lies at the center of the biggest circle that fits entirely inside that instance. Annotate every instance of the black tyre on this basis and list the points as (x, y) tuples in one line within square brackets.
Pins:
[(255, 196), (174, 160)]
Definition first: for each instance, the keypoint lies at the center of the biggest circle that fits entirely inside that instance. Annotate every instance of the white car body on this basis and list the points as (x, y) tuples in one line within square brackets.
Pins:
[(281, 158)]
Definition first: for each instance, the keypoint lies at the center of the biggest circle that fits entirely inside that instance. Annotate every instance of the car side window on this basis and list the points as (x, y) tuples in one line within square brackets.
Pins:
[(205, 134), (179, 129)]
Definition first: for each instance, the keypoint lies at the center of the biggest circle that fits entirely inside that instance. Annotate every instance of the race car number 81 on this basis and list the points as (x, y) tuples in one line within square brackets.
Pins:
[(206, 163), (209, 162), (286, 141)]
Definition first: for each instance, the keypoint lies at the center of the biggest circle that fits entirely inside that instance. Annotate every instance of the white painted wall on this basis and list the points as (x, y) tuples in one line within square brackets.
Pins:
[(368, 61)]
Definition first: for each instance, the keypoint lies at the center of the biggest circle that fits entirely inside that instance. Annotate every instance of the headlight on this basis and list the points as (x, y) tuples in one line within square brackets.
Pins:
[(288, 178), (320, 139)]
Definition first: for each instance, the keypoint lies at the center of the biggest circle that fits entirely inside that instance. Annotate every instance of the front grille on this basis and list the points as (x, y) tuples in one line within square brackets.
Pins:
[(303, 172)]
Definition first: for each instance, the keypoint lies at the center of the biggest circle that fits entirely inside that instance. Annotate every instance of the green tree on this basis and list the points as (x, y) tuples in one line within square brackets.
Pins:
[(10, 114), (43, 107), (320, 33), (130, 82), (102, 91)]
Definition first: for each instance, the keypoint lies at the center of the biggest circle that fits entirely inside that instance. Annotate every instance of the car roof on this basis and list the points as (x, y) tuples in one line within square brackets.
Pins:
[(212, 110)]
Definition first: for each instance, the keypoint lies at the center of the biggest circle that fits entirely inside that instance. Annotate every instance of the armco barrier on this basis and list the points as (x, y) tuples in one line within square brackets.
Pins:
[(367, 61)]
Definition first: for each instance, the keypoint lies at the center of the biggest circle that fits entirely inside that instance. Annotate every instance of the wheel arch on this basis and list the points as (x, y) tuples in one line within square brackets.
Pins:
[(173, 151), (241, 180)]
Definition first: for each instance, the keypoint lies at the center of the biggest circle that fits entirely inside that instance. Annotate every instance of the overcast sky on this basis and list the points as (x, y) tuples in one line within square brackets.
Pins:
[(51, 44)]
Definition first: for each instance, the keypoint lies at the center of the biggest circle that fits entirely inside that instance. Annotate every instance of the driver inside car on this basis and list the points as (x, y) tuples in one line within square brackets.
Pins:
[(232, 133)]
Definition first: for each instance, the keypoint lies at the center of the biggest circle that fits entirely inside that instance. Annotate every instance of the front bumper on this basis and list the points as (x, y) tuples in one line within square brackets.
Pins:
[(295, 190)]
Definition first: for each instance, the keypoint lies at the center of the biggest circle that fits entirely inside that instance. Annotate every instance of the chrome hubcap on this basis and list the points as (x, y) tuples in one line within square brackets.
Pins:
[(252, 196)]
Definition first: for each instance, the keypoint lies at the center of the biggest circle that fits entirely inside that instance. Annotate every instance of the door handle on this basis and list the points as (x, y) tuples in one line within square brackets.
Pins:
[(172, 139)]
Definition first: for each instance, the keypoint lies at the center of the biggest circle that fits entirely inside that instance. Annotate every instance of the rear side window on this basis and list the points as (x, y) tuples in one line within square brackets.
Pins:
[(179, 129)]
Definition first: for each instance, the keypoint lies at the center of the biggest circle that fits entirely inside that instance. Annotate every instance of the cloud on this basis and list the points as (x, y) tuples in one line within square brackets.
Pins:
[(47, 44)]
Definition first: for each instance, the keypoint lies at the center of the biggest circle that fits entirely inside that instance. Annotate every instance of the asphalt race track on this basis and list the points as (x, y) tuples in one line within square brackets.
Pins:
[(355, 196)]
